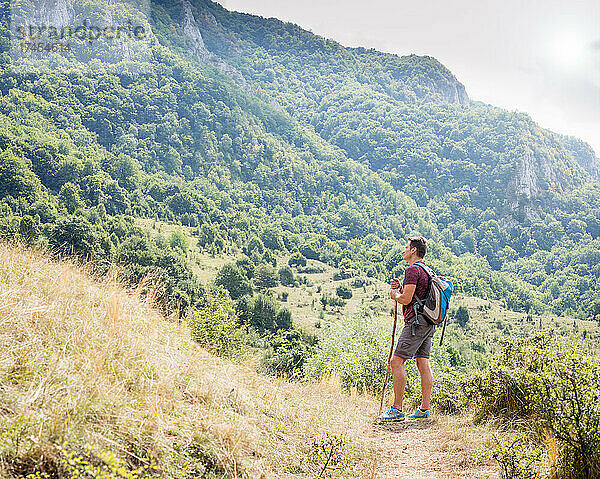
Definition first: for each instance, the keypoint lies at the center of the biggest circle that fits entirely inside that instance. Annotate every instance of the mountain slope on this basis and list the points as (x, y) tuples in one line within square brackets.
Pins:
[(429, 149), (336, 172)]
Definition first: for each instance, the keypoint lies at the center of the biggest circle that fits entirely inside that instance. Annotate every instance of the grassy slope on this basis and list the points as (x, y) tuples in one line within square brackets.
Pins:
[(83, 361)]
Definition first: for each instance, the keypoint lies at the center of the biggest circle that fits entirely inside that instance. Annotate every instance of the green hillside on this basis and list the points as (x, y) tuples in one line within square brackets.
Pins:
[(188, 143)]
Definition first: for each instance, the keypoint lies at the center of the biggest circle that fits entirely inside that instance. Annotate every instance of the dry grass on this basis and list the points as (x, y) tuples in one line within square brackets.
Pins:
[(85, 361)]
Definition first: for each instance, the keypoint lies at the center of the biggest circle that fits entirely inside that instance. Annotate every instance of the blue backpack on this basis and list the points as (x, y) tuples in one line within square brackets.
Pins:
[(434, 306)]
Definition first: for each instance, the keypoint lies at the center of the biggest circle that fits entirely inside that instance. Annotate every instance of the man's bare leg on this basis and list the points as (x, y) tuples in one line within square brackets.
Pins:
[(426, 382), (399, 380)]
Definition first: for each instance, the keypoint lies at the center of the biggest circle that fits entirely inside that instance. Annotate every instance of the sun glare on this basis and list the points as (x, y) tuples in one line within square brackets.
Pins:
[(569, 49)]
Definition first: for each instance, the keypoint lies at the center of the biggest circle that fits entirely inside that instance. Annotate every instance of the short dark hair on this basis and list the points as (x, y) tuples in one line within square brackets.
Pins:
[(420, 243)]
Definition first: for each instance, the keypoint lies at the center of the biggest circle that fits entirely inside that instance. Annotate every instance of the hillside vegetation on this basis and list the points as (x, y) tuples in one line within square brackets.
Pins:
[(238, 210), (94, 383), (337, 153)]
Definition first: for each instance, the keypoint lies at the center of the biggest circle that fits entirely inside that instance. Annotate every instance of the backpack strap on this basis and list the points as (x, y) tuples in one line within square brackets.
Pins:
[(426, 268), (419, 302), (430, 275)]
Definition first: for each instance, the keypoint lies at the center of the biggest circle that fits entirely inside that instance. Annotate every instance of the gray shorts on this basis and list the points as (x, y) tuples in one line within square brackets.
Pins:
[(417, 346)]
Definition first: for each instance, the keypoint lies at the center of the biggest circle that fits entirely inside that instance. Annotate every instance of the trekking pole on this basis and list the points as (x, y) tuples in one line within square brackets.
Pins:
[(387, 374)]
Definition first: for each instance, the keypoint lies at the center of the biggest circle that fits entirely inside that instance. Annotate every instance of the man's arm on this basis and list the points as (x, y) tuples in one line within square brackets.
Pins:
[(404, 296)]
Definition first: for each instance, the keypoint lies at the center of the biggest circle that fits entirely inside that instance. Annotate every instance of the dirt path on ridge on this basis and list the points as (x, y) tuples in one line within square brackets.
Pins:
[(422, 450)]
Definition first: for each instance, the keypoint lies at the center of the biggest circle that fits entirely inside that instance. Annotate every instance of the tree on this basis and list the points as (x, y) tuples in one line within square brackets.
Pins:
[(594, 310), (297, 259), (284, 319), (264, 312), (16, 179), (286, 276), (126, 171), (324, 301), (68, 197), (178, 241), (207, 235), (246, 266), (343, 291), (28, 229), (272, 239), (287, 351), (265, 276), (462, 316), (74, 236), (214, 327), (234, 281), (255, 244)]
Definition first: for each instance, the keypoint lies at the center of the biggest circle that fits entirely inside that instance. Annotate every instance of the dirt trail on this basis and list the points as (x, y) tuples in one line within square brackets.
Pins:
[(422, 450)]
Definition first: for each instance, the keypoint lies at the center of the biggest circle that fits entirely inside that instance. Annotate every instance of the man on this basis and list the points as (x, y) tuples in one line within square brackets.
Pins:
[(415, 338)]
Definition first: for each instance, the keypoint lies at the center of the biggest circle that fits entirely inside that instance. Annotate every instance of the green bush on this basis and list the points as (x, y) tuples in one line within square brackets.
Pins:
[(179, 241), (287, 352), (215, 326), (517, 459), (354, 348), (234, 280), (263, 313), (329, 454), (331, 301), (265, 276), (343, 291), (286, 276), (246, 266), (297, 259), (450, 390), (555, 385), (462, 316)]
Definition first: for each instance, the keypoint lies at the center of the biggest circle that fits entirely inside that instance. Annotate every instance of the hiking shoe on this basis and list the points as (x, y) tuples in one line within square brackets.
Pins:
[(419, 414), (392, 414)]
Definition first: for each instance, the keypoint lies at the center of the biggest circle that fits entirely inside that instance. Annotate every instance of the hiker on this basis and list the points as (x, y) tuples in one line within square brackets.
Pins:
[(415, 338)]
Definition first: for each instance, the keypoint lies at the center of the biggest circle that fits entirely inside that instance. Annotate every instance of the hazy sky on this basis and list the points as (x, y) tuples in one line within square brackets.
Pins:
[(540, 57)]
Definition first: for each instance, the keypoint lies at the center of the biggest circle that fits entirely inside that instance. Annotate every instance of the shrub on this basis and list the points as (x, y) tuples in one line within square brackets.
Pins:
[(309, 251), (555, 385), (263, 313), (286, 353), (74, 235), (178, 241), (286, 276), (360, 282), (336, 301), (215, 326), (344, 273), (329, 454), (297, 259), (516, 458), (356, 349), (272, 239), (246, 266), (450, 391), (343, 291), (233, 280), (28, 229), (255, 244), (462, 316), (283, 319), (311, 269), (265, 276)]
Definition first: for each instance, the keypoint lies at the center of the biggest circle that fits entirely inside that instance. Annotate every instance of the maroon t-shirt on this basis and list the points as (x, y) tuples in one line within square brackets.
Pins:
[(414, 274)]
